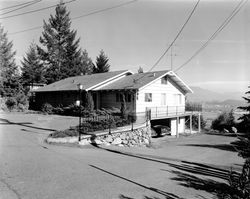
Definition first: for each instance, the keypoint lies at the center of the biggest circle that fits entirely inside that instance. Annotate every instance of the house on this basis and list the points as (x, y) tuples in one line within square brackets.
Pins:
[(161, 93)]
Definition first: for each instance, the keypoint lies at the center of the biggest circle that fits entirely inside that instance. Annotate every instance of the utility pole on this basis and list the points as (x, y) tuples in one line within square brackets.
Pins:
[(172, 55)]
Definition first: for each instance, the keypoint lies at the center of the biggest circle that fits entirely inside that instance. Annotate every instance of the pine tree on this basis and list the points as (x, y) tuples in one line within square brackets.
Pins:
[(87, 64), (241, 184), (32, 68), (9, 77), (140, 70), (61, 54), (245, 119), (101, 65), (243, 143)]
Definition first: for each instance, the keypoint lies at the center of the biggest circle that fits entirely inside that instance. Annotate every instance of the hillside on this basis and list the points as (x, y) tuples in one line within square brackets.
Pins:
[(204, 95)]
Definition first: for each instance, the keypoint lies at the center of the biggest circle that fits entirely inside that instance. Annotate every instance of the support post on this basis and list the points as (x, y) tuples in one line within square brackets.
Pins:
[(199, 122), (177, 125), (190, 123)]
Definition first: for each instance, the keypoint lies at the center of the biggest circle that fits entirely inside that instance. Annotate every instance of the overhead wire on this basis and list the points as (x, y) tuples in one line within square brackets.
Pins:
[(215, 34), (32, 3), (82, 16), (105, 9), (32, 11), (172, 43), (17, 5)]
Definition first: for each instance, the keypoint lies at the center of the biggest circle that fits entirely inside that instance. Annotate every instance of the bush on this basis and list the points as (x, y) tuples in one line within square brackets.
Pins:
[(11, 103), (98, 125), (224, 121), (22, 101), (47, 108)]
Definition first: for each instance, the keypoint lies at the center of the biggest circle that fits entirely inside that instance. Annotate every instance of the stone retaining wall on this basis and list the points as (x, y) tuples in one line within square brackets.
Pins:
[(140, 136), (137, 137)]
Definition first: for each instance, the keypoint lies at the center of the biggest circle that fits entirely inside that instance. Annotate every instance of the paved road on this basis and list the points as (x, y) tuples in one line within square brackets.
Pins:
[(30, 168)]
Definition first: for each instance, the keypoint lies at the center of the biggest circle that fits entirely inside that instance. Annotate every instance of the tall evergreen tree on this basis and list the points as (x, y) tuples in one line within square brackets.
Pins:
[(32, 68), (101, 65), (243, 143), (86, 64), (241, 184), (140, 70), (9, 77), (60, 52)]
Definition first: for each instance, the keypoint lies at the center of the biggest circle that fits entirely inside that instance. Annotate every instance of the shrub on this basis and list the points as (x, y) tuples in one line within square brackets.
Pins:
[(97, 125), (66, 133), (58, 110), (22, 101), (224, 121), (11, 103), (47, 108)]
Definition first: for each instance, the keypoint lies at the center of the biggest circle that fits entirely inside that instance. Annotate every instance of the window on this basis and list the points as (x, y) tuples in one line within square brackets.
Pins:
[(148, 97), (178, 99), (164, 80), (163, 99)]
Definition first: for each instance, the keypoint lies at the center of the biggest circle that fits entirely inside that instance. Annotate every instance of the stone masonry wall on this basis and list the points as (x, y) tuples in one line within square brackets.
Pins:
[(140, 136), (137, 137)]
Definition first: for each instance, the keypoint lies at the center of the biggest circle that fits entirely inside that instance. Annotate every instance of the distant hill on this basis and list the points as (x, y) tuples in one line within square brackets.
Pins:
[(204, 95)]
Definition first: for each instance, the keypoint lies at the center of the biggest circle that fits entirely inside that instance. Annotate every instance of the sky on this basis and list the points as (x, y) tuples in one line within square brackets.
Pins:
[(137, 34)]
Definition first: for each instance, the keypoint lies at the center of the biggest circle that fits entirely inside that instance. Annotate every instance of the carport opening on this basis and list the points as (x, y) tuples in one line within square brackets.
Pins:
[(160, 127)]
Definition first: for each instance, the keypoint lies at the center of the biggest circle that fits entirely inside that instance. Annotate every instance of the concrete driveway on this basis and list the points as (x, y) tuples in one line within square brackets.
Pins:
[(187, 167)]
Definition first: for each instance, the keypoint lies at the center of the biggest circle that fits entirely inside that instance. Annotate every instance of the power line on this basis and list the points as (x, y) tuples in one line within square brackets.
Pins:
[(172, 43), (34, 2), (37, 10), (214, 35), (105, 9), (82, 16), (176, 37), (17, 5)]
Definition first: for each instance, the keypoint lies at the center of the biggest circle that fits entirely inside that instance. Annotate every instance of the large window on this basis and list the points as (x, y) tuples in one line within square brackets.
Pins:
[(163, 99), (178, 99), (148, 97)]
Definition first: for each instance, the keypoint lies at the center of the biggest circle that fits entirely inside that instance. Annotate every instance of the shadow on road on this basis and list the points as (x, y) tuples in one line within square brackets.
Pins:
[(164, 193), (218, 189), (225, 147), (25, 124), (187, 172)]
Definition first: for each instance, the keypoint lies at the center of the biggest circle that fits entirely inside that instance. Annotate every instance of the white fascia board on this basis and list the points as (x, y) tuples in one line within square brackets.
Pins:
[(168, 73), (188, 88), (95, 87)]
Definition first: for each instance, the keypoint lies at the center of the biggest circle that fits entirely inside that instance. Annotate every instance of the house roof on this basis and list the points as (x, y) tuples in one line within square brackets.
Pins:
[(141, 80), (88, 81), (117, 80), (134, 81)]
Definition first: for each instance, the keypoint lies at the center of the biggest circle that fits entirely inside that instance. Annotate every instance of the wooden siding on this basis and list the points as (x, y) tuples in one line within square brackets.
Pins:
[(157, 89)]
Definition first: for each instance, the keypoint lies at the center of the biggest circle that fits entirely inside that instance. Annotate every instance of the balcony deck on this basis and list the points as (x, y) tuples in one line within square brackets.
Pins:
[(164, 112)]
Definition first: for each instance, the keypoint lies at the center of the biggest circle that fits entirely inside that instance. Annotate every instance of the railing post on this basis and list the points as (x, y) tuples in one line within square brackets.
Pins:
[(167, 110), (176, 110)]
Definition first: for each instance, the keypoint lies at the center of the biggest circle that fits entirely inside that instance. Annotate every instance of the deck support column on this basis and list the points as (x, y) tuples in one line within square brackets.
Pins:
[(199, 122), (190, 120), (177, 125)]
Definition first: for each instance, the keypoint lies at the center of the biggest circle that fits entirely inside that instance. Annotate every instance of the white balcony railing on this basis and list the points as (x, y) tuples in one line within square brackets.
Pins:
[(165, 111)]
